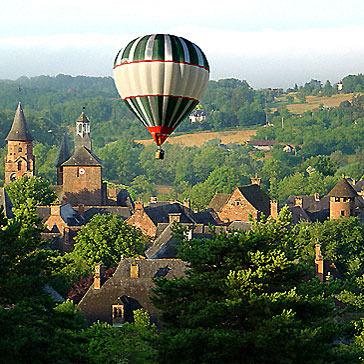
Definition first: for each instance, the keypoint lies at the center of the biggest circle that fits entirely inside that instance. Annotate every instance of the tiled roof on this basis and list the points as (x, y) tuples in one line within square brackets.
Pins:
[(342, 189), (218, 201), (63, 153), (83, 157), (256, 197), (96, 304)]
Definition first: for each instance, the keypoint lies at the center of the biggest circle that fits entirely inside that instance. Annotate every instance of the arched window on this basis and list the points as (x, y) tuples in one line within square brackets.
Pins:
[(20, 149), (19, 166)]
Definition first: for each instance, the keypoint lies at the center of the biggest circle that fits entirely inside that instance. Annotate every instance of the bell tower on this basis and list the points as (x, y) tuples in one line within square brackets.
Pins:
[(83, 138), (19, 160)]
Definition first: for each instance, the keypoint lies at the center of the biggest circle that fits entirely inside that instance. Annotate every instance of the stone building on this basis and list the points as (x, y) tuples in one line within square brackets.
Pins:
[(156, 216), (341, 202), (19, 160), (245, 202), (79, 175), (129, 288), (344, 201)]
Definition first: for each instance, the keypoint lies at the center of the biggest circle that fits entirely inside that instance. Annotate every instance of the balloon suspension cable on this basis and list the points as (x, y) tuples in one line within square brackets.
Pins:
[(159, 154)]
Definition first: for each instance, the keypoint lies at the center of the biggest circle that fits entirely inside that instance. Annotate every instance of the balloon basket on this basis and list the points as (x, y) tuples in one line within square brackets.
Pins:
[(159, 154)]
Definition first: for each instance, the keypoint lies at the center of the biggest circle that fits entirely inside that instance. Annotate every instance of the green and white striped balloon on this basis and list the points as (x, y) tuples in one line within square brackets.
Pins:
[(161, 77)]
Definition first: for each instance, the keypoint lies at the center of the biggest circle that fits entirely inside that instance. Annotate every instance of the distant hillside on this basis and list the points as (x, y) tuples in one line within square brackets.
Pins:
[(198, 138), (313, 102)]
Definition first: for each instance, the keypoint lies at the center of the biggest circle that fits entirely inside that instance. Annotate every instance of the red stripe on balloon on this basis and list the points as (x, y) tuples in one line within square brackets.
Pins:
[(156, 60), (181, 97), (160, 133)]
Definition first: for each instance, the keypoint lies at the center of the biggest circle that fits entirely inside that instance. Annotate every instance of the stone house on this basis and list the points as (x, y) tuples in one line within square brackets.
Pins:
[(245, 202), (128, 289), (151, 217)]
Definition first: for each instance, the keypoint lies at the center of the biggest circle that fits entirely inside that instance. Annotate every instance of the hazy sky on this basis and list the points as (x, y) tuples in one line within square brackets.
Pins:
[(269, 43)]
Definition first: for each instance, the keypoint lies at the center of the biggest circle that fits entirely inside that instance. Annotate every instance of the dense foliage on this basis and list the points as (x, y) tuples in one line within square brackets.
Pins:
[(245, 299), (34, 188)]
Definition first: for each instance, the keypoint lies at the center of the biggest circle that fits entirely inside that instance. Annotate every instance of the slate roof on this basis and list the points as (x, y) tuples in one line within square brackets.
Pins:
[(343, 189), (299, 214), (239, 225), (124, 199), (256, 197), (83, 157), (310, 204), (63, 153), (19, 130), (160, 214), (218, 201), (204, 217), (358, 187), (6, 204), (96, 304), (69, 215)]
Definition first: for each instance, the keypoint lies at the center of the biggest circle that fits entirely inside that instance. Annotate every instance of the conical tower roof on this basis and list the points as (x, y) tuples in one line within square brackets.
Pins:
[(63, 152), (342, 189), (19, 130)]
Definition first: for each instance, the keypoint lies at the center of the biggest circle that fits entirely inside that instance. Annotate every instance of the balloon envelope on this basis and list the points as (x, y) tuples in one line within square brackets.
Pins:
[(161, 77)]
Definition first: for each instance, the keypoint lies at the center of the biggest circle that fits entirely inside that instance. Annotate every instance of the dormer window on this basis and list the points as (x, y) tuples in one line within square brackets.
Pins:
[(118, 315)]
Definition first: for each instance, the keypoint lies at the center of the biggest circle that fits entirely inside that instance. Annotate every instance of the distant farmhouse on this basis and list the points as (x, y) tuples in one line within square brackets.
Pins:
[(264, 145)]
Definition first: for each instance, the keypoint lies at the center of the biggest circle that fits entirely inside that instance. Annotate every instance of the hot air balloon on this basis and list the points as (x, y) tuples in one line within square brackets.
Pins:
[(161, 77)]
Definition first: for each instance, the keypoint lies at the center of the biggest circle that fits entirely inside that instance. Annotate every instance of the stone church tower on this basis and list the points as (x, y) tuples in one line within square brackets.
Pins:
[(19, 160), (81, 174)]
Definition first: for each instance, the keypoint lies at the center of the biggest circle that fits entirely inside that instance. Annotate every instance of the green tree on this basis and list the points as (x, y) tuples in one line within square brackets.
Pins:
[(35, 188), (131, 343), (245, 300), (105, 238), (35, 332)]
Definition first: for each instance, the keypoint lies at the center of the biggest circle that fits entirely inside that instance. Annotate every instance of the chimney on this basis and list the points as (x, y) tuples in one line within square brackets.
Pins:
[(56, 210), (134, 270), (174, 217), (139, 205), (153, 199), (255, 180), (319, 260), (98, 276), (317, 197), (274, 209), (298, 201), (81, 210)]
